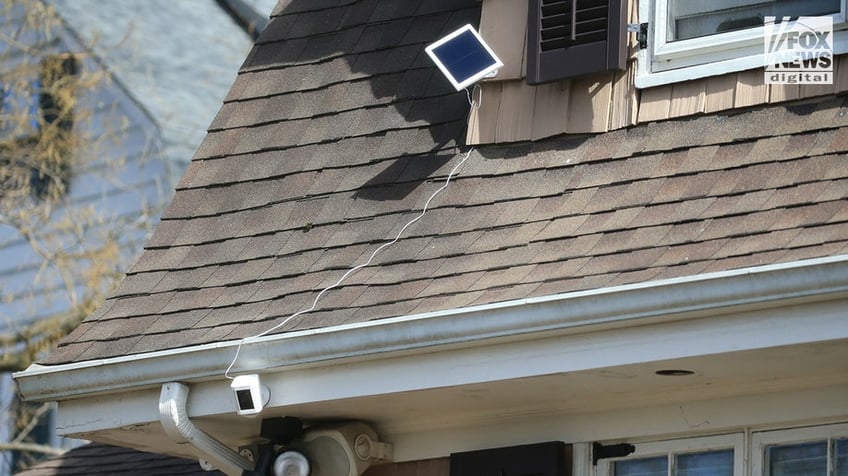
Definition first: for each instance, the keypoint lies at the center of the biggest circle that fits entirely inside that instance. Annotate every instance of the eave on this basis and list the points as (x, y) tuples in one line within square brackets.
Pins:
[(526, 319)]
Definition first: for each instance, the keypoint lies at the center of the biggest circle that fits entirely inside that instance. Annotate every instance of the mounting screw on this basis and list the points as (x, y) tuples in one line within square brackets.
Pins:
[(362, 446), (247, 453)]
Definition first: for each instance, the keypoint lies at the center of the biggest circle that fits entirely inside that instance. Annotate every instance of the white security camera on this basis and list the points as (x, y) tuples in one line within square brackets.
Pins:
[(251, 395)]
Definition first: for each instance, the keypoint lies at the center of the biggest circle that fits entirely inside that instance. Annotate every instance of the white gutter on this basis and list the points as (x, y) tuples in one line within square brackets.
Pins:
[(571, 313), (173, 415)]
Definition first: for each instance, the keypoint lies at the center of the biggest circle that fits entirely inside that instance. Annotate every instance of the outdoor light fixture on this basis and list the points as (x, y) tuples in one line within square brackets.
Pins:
[(291, 463), (463, 57)]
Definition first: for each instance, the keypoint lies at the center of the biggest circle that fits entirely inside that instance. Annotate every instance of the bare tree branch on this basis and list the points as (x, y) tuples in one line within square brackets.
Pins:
[(33, 422), (32, 448), (68, 251)]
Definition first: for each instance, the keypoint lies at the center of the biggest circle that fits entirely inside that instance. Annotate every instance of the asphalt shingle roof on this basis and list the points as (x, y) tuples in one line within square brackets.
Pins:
[(338, 128), (96, 459)]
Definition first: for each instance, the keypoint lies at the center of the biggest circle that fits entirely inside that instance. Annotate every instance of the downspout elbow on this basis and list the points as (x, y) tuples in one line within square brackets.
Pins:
[(175, 421)]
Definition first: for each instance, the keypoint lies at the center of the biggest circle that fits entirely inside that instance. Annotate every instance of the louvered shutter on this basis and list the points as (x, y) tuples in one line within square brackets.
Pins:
[(570, 38), (541, 459)]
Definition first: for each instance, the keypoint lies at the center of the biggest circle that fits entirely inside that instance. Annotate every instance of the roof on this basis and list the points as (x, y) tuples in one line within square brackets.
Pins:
[(337, 130), (99, 459)]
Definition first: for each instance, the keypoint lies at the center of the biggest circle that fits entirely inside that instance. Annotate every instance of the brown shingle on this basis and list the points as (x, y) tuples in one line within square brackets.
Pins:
[(338, 129), (97, 459)]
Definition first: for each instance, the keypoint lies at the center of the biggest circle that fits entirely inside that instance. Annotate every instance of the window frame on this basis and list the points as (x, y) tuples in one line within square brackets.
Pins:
[(762, 439), (672, 447), (663, 62)]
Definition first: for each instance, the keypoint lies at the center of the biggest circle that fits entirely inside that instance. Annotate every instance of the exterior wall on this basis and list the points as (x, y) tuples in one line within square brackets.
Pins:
[(119, 174), (431, 467), (745, 417), (511, 110), (122, 177)]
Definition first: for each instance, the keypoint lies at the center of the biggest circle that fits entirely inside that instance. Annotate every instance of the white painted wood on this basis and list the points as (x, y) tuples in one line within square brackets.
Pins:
[(760, 440), (566, 314), (733, 441), (666, 62), (779, 333), (683, 419), (633, 425), (577, 373), (581, 454)]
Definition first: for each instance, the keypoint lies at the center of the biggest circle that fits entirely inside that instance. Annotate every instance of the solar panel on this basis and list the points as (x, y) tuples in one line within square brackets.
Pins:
[(463, 57)]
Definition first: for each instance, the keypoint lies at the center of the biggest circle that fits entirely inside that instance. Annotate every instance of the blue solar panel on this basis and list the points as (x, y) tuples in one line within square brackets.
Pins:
[(463, 57)]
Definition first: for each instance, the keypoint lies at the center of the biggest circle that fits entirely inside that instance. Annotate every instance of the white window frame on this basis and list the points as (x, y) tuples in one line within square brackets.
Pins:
[(683, 446), (761, 440), (664, 62)]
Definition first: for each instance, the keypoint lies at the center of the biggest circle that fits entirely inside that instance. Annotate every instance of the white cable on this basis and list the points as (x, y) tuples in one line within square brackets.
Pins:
[(474, 104)]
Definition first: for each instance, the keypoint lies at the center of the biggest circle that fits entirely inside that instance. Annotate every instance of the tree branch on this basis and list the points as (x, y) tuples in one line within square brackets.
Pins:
[(34, 418), (32, 448)]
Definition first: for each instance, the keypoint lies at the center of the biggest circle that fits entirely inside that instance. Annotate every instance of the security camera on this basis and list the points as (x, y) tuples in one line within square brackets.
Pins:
[(251, 395)]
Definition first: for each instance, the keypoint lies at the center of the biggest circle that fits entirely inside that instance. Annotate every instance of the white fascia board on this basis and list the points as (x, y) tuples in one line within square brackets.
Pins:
[(534, 318)]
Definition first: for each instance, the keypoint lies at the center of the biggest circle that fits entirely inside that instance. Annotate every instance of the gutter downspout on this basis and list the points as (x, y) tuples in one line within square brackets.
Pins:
[(177, 425)]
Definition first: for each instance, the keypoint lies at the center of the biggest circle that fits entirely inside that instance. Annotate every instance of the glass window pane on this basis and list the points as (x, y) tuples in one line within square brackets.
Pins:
[(696, 18), (840, 463), (805, 459), (657, 466), (712, 463)]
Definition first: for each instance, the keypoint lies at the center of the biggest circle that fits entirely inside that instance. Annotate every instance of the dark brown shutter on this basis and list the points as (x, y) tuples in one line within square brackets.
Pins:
[(570, 38), (541, 459), (56, 87)]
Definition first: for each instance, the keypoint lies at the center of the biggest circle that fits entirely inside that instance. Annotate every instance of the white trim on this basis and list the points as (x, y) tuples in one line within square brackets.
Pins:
[(665, 62), (678, 446), (501, 361), (631, 425), (752, 450), (514, 321), (761, 440)]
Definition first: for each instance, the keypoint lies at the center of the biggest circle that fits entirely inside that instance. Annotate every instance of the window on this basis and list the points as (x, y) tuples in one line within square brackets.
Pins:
[(712, 455), (36, 124), (689, 39), (688, 19), (815, 450), (810, 451)]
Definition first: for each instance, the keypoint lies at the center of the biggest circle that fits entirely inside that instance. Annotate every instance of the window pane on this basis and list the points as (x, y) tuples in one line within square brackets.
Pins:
[(695, 18), (657, 466), (805, 459), (713, 463), (840, 463)]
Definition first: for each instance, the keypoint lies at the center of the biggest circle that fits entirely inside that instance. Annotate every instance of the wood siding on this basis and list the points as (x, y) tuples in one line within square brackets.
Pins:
[(120, 174), (511, 110)]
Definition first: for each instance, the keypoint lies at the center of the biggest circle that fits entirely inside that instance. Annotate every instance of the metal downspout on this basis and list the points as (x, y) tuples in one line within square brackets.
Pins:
[(177, 425)]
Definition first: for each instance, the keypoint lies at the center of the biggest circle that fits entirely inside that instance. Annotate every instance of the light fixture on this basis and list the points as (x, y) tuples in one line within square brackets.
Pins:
[(463, 57), (674, 372), (291, 463)]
